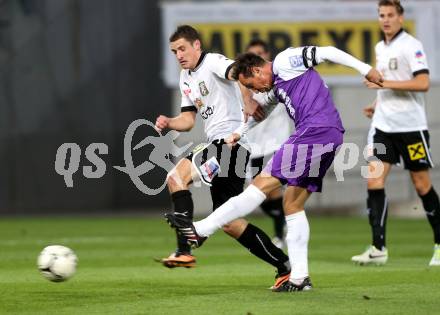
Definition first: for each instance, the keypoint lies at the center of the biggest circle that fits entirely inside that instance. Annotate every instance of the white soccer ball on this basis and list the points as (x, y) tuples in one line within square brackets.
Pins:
[(57, 263)]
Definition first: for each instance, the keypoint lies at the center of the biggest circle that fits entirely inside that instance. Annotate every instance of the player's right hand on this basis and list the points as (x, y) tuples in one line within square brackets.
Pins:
[(232, 139), (162, 122), (254, 109), (375, 76)]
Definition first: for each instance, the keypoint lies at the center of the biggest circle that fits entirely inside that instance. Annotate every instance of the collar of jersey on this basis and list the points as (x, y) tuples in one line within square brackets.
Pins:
[(394, 37), (199, 63)]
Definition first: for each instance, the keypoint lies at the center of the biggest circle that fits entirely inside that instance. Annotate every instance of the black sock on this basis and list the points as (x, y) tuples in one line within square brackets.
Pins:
[(377, 215), (431, 204), (183, 204), (274, 209), (259, 244)]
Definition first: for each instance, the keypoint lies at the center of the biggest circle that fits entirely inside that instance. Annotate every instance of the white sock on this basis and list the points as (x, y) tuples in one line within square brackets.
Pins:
[(236, 207), (297, 240)]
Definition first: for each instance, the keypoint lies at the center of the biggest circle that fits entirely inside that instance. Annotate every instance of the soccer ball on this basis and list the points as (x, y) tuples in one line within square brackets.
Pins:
[(57, 263)]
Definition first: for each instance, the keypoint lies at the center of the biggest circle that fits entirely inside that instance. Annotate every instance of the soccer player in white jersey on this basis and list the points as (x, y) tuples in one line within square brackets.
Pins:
[(206, 89), (302, 160), (400, 127), (267, 137)]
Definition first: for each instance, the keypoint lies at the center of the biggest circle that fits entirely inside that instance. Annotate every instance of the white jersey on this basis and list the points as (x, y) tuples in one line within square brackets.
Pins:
[(218, 100), (267, 136), (400, 60)]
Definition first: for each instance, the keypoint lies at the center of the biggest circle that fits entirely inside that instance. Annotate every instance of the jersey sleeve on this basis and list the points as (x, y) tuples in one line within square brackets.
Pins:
[(185, 105), (220, 65), (290, 63), (416, 57), (317, 55)]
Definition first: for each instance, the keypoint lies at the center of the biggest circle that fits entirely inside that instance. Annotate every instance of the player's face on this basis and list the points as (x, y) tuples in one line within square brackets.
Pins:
[(261, 80), (389, 20), (259, 51), (187, 54)]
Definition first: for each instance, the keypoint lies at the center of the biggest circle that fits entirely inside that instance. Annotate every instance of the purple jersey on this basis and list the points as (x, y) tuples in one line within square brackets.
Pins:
[(297, 85)]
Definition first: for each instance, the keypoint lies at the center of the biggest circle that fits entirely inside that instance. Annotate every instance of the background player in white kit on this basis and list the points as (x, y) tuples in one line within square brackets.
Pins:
[(206, 89), (400, 125), (268, 136)]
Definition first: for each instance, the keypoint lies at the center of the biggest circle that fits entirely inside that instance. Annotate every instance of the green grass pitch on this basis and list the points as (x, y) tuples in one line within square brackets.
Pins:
[(117, 274)]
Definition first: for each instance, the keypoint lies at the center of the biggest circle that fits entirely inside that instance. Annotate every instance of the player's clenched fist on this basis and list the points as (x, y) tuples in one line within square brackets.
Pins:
[(162, 122), (375, 77)]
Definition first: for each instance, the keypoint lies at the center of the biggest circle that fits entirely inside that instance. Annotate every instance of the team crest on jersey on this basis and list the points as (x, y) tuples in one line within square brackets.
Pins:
[(203, 89), (392, 64)]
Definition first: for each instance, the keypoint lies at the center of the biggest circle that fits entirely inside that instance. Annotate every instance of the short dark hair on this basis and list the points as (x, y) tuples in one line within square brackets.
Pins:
[(186, 32), (393, 3), (258, 42), (244, 63)]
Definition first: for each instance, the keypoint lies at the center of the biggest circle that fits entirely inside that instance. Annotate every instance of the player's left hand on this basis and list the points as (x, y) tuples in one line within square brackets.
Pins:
[(232, 139), (375, 77), (372, 85), (369, 110)]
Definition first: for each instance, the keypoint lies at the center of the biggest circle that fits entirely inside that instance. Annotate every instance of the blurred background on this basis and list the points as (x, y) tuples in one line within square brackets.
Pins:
[(77, 71)]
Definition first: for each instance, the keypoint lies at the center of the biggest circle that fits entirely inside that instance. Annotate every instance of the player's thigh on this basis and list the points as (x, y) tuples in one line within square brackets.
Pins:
[(257, 166), (235, 228), (266, 183), (276, 194)]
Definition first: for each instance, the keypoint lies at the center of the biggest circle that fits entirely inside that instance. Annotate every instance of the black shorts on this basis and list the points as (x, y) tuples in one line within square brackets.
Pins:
[(229, 182), (412, 147), (258, 163)]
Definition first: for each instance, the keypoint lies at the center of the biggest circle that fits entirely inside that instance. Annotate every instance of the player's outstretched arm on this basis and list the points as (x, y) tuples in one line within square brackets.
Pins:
[(338, 56), (420, 83), (184, 122)]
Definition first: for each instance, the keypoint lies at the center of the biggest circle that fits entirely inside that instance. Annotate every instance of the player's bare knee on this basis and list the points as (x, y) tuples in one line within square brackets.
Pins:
[(175, 182), (422, 188), (266, 183), (230, 230), (375, 183), (235, 228), (421, 182)]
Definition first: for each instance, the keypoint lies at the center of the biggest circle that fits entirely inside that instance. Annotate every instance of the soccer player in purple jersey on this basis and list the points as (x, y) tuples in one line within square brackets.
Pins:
[(304, 158)]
